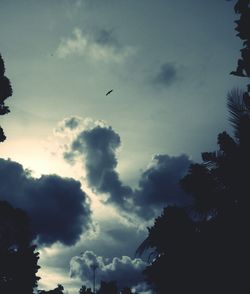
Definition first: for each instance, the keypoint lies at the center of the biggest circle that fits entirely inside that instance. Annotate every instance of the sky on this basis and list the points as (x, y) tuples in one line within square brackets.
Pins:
[(91, 170)]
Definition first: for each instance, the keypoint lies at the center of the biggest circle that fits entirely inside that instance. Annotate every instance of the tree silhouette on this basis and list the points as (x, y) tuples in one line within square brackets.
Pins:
[(58, 290), (204, 248), (85, 290), (5, 92), (126, 290), (220, 187), (173, 239), (206, 244), (108, 288), (18, 260), (243, 28)]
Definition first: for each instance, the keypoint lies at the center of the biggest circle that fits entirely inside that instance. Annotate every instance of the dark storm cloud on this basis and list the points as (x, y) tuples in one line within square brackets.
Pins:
[(158, 185), (98, 147), (166, 75), (99, 144), (125, 271), (58, 208)]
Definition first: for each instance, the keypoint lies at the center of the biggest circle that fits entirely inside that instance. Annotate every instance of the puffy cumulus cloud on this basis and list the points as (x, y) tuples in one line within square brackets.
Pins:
[(158, 185), (58, 208), (124, 270), (101, 45), (166, 76)]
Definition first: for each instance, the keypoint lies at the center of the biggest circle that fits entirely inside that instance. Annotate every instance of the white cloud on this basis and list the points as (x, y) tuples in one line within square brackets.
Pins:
[(85, 45), (125, 271), (71, 126)]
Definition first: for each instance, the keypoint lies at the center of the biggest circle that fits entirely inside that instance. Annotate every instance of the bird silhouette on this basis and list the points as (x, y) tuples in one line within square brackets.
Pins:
[(109, 92)]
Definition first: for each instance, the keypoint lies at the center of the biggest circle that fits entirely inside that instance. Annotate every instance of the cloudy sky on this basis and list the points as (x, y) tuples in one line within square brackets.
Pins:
[(91, 170)]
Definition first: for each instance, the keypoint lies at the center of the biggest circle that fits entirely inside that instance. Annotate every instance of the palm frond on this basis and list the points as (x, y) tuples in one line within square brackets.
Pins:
[(236, 108), (210, 159), (143, 247)]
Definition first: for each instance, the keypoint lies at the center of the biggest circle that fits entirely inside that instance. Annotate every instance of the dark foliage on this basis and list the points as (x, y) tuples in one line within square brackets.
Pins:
[(126, 290), (206, 245), (5, 92), (85, 290), (58, 290), (105, 288), (108, 288), (242, 7), (204, 248), (18, 266)]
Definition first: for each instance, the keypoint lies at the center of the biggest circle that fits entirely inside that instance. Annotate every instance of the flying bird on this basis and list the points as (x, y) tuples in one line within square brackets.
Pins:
[(109, 92)]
